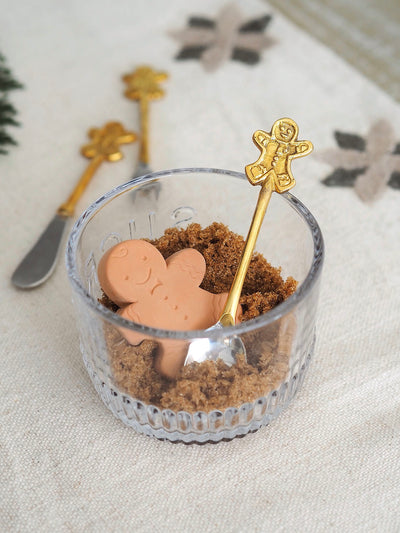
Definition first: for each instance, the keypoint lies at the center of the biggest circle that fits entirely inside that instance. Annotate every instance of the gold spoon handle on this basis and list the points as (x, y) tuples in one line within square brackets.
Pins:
[(272, 171), (229, 313), (104, 146)]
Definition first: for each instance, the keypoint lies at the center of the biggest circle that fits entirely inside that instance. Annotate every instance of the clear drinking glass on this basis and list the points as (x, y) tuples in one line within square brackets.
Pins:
[(289, 238)]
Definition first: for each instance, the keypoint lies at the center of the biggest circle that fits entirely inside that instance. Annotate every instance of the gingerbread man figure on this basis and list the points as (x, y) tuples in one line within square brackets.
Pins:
[(159, 293), (278, 148)]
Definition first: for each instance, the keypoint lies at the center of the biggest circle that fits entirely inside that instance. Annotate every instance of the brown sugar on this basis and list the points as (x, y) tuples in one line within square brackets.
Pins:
[(208, 385)]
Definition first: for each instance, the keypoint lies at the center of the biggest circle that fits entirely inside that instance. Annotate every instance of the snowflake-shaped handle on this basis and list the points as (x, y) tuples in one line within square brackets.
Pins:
[(104, 146), (144, 83), (106, 141)]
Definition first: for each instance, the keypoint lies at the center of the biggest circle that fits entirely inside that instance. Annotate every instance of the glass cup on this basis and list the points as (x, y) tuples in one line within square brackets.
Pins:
[(145, 207)]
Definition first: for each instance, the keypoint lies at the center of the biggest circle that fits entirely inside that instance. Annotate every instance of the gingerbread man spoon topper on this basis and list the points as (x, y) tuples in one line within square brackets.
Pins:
[(278, 148)]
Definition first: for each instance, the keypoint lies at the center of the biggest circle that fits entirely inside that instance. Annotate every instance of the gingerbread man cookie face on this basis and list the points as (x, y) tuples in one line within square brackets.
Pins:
[(127, 272), (159, 293)]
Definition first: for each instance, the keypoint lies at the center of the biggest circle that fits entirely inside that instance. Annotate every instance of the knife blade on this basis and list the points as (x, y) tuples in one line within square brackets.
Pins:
[(38, 265)]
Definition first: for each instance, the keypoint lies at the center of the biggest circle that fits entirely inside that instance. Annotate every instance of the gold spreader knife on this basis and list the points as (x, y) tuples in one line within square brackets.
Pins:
[(38, 265), (272, 171), (143, 85)]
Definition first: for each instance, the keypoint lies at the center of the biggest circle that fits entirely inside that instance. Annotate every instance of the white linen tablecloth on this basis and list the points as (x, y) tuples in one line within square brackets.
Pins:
[(331, 461)]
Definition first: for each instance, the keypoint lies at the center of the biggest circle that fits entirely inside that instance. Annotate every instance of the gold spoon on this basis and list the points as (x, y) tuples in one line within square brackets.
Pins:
[(38, 265), (272, 171)]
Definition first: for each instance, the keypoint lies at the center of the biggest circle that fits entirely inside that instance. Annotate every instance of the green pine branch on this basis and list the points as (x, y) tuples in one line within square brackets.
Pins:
[(7, 110), (7, 113), (5, 139)]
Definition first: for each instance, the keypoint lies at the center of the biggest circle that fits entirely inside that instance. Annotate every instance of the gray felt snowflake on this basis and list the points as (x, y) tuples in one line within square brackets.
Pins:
[(229, 36), (368, 164)]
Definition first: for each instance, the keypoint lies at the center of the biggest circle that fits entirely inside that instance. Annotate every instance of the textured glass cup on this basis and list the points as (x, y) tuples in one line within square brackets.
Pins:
[(144, 208)]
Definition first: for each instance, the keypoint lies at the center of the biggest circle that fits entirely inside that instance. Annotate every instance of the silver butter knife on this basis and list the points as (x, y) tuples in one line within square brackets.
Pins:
[(40, 262)]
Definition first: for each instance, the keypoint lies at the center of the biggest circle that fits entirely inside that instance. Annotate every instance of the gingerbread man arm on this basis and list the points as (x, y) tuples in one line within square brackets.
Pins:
[(188, 265), (261, 139), (302, 148)]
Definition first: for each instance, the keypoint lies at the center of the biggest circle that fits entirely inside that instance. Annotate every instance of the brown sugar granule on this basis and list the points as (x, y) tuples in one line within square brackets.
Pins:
[(132, 367), (209, 385), (105, 300), (263, 288)]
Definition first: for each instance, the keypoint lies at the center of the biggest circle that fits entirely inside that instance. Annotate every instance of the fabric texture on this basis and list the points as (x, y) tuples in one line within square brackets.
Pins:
[(331, 461), (364, 32)]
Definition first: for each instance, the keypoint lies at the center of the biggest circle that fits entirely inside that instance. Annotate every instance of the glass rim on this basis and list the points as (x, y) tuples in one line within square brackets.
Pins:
[(271, 316)]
